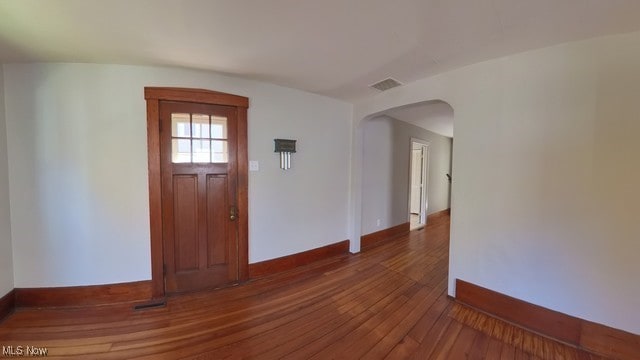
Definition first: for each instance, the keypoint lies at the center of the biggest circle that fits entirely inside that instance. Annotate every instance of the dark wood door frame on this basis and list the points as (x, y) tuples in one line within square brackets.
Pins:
[(153, 96)]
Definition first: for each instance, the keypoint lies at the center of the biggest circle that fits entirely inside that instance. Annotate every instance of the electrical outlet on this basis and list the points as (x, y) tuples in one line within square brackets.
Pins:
[(378, 222), (254, 165)]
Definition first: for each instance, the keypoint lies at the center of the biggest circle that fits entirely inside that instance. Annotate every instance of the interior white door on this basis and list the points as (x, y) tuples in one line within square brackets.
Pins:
[(416, 181), (424, 183)]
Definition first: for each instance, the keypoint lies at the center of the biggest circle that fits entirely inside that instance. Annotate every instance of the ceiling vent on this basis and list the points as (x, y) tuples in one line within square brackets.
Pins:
[(386, 84)]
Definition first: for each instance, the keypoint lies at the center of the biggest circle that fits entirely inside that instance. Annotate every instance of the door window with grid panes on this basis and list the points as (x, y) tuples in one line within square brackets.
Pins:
[(198, 138)]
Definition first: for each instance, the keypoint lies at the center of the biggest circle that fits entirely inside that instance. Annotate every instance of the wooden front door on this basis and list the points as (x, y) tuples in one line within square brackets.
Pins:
[(199, 170)]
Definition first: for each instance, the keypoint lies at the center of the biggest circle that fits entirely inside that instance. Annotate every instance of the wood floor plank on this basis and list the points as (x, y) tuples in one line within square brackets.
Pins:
[(494, 349), (446, 342), (306, 328), (424, 324), (403, 349), (480, 346), (509, 352), (432, 337), (328, 341), (461, 347), (394, 335), (359, 341)]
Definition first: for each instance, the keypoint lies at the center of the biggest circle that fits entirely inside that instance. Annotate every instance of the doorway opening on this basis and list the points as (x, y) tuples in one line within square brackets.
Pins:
[(418, 189), (382, 152)]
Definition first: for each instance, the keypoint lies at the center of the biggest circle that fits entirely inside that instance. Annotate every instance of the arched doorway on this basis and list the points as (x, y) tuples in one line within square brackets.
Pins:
[(399, 183), (358, 162)]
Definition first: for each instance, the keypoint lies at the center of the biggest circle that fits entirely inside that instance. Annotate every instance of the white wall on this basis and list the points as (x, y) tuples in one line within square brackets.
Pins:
[(6, 259), (78, 169), (385, 181), (378, 188), (546, 168)]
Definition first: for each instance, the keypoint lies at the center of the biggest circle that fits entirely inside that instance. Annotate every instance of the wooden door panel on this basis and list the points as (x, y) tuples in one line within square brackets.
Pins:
[(162, 267), (200, 240), (185, 201), (217, 206), (198, 280)]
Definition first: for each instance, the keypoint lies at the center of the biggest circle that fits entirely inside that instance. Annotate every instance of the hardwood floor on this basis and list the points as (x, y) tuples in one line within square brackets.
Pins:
[(387, 303)]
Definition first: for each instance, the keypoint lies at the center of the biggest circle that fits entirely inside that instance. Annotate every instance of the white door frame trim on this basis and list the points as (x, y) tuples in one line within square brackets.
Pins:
[(424, 198)]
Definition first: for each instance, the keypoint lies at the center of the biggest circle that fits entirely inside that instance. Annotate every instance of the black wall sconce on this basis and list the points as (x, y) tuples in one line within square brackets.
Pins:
[(285, 147)]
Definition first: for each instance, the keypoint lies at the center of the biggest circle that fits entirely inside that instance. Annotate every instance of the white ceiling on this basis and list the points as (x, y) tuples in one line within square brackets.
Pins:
[(331, 47), (436, 116)]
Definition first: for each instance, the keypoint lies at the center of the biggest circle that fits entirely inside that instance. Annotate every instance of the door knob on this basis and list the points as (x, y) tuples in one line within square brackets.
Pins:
[(233, 213)]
